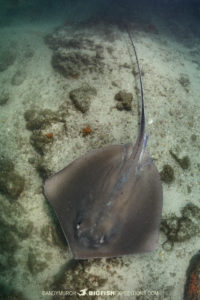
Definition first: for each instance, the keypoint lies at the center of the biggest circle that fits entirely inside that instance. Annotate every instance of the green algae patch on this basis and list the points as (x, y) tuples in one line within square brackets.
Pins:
[(11, 183), (167, 174), (124, 100)]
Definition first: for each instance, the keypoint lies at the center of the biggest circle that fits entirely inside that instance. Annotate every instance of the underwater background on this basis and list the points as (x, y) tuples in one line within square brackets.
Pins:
[(66, 73)]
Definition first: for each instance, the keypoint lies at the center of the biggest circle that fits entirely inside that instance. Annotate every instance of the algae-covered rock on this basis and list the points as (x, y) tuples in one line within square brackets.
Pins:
[(43, 170), (34, 263), (125, 100), (39, 119), (40, 141), (18, 78), (74, 56), (76, 277), (7, 58), (82, 96), (11, 183), (179, 229), (73, 64), (167, 174), (4, 97)]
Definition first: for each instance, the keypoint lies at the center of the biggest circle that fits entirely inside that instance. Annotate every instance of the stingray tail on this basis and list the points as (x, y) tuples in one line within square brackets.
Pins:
[(142, 121)]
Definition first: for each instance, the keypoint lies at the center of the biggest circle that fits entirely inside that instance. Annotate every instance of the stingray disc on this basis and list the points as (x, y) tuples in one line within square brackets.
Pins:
[(107, 203)]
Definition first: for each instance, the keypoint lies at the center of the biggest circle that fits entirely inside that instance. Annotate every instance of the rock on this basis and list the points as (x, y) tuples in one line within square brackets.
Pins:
[(82, 96), (18, 78), (125, 100), (167, 174), (11, 183), (4, 97), (7, 58)]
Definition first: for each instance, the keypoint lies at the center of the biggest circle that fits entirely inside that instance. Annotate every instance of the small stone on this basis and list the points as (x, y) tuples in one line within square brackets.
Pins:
[(167, 174), (167, 246), (82, 96)]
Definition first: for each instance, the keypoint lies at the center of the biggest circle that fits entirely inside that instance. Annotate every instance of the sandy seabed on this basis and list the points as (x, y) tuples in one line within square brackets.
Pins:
[(36, 260)]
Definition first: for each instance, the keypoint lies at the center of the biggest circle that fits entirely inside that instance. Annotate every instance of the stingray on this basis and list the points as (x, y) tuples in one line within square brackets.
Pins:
[(109, 201)]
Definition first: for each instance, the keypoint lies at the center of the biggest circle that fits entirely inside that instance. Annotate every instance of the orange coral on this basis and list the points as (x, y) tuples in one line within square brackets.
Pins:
[(87, 130), (49, 135)]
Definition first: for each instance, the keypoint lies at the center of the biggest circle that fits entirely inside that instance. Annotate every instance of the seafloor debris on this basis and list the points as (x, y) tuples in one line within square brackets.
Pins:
[(192, 285), (18, 78), (4, 97), (179, 229), (167, 174), (11, 183), (82, 97), (125, 100), (183, 162), (7, 58)]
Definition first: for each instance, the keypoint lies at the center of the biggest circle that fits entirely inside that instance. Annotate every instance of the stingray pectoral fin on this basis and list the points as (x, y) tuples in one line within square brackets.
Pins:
[(107, 205)]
